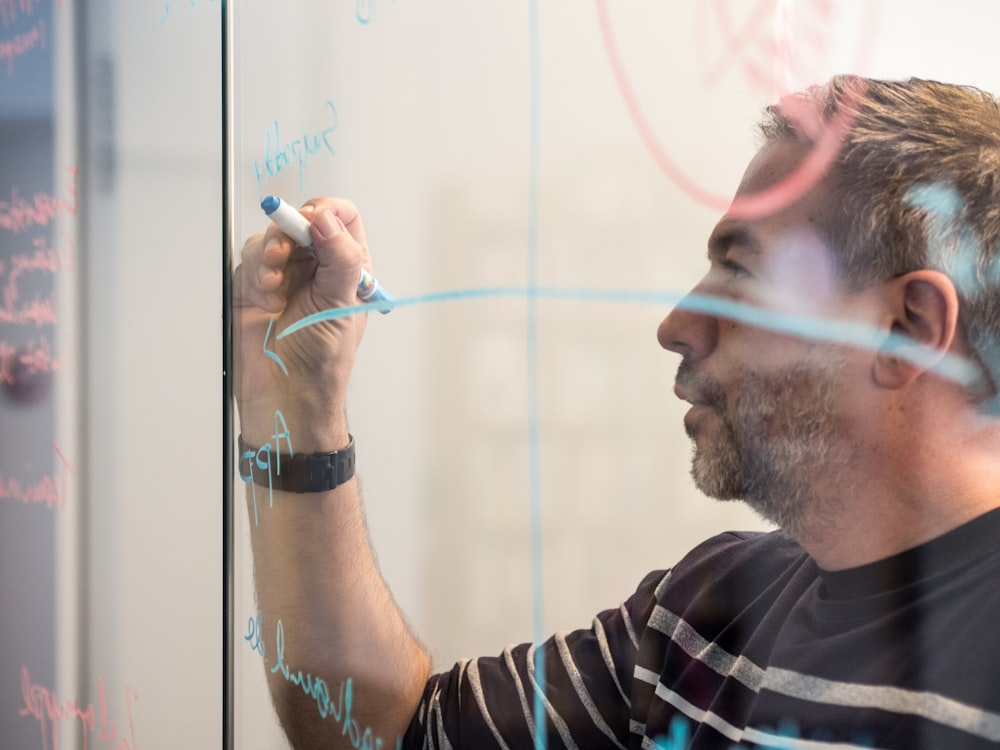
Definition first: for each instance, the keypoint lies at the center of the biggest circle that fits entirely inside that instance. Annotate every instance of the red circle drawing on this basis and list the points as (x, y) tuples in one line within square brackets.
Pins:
[(767, 201)]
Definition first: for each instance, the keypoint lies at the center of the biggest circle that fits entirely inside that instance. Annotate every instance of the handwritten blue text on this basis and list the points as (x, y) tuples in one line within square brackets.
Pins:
[(316, 687), (278, 156)]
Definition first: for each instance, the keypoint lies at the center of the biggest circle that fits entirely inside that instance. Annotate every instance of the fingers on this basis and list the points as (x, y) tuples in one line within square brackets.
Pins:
[(262, 278), (341, 251), (346, 211), (273, 267)]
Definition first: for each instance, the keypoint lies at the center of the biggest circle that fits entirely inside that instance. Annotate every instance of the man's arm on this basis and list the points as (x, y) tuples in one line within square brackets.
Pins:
[(338, 653)]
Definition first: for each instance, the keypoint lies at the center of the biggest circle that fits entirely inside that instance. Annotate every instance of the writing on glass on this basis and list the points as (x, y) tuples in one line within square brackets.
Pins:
[(50, 491), (28, 317), (31, 315), (268, 352), (35, 253), (766, 58), (256, 460), (171, 5), (45, 707), (20, 214), (315, 687), (748, 49), (279, 156), (17, 308), (18, 42), (364, 10)]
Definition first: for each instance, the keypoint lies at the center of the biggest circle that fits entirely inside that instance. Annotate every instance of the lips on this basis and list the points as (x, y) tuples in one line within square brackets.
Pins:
[(686, 392), (703, 393), (696, 389)]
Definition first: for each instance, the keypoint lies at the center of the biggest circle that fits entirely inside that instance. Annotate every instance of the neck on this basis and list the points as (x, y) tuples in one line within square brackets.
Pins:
[(904, 497)]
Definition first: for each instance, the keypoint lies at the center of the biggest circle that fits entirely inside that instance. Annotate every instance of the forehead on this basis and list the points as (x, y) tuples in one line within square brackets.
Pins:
[(771, 165), (786, 250), (798, 217)]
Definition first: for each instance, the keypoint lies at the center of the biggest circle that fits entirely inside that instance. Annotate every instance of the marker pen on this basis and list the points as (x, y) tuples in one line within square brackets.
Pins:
[(296, 226)]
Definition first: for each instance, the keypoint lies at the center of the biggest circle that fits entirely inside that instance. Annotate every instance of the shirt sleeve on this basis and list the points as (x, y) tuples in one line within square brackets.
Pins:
[(490, 702)]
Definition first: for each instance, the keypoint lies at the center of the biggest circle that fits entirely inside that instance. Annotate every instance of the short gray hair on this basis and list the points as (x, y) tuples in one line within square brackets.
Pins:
[(915, 184)]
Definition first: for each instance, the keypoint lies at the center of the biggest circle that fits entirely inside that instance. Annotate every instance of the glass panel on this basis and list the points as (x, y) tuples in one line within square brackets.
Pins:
[(537, 183), (38, 207), (110, 606)]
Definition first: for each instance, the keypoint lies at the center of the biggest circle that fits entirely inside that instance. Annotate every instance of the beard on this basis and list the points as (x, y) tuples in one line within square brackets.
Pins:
[(778, 445)]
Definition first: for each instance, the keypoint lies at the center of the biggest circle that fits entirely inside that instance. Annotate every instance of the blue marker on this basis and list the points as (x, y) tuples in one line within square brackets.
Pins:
[(296, 226)]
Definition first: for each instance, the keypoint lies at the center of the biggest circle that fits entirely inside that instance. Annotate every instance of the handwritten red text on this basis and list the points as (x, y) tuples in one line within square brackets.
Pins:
[(50, 491), (18, 214), (44, 706)]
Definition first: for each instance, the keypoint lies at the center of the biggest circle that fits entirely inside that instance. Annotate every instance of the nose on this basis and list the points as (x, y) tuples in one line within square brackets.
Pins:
[(687, 332)]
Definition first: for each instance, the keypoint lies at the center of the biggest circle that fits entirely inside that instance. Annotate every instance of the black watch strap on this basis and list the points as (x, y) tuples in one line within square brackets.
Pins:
[(301, 472)]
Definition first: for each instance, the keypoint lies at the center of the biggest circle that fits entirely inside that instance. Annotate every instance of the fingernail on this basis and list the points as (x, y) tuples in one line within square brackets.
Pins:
[(326, 224)]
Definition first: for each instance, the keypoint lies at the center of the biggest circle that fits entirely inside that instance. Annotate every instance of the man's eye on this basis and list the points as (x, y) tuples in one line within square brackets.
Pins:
[(734, 268)]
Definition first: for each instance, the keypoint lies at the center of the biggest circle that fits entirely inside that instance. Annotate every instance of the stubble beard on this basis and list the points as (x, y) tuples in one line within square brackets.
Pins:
[(778, 447)]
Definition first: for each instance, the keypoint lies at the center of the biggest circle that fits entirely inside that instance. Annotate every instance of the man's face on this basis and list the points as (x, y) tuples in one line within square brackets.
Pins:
[(769, 409)]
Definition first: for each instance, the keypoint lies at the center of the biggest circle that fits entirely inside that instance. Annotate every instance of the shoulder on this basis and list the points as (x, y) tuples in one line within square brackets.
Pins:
[(729, 567), (739, 553), (735, 549)]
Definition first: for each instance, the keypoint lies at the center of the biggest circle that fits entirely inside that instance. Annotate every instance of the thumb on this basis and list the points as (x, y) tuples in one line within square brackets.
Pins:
[(340, 258)]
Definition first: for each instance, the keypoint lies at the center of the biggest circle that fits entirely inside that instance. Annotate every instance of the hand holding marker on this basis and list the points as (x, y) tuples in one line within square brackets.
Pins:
[(296, 226)]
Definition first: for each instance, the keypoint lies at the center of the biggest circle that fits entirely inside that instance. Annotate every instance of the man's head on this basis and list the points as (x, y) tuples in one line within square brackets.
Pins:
[(900, 236), (915, 185)]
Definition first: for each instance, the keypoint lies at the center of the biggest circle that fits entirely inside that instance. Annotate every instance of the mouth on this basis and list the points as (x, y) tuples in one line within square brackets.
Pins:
[(692, 396), (703, 392), (701, 403)]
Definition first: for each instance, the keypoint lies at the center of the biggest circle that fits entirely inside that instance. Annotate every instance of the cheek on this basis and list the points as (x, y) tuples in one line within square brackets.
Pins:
[(747, 355), (802, 277)]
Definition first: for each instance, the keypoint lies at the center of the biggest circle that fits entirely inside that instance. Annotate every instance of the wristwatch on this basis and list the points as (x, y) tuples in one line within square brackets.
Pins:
[(300, 472)]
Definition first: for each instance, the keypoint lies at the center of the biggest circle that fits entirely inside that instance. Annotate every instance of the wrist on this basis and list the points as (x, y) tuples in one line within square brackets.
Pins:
[(294, 471), (310, 425)]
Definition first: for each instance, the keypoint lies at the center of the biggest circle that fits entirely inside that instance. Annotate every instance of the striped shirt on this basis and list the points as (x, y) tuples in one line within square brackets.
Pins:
[(747, 643)]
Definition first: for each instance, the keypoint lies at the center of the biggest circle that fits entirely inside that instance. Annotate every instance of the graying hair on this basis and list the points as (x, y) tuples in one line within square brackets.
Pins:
[(915, 184)]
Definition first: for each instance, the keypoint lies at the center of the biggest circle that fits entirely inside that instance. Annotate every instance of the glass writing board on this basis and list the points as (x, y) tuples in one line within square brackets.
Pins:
[(537, 182)]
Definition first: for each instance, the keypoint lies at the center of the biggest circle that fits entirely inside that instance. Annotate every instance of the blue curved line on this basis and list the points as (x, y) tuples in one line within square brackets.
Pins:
[(268, 352), (951, 366), (514, 292)]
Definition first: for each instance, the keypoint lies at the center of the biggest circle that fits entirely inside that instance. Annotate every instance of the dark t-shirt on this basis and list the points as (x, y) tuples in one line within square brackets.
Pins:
[(746, 642)]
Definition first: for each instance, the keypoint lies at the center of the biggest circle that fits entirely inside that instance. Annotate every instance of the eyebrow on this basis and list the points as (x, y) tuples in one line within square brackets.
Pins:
[(728, 234)]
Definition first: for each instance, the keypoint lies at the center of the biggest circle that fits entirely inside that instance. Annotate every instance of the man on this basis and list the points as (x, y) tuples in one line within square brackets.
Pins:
[(840, 357)]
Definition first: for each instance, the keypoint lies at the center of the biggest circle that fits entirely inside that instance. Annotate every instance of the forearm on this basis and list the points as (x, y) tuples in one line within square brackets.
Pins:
[(337, 652), (326, 613)]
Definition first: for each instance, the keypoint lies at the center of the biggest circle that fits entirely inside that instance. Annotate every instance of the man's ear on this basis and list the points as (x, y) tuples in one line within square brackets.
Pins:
[(922, 325)]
